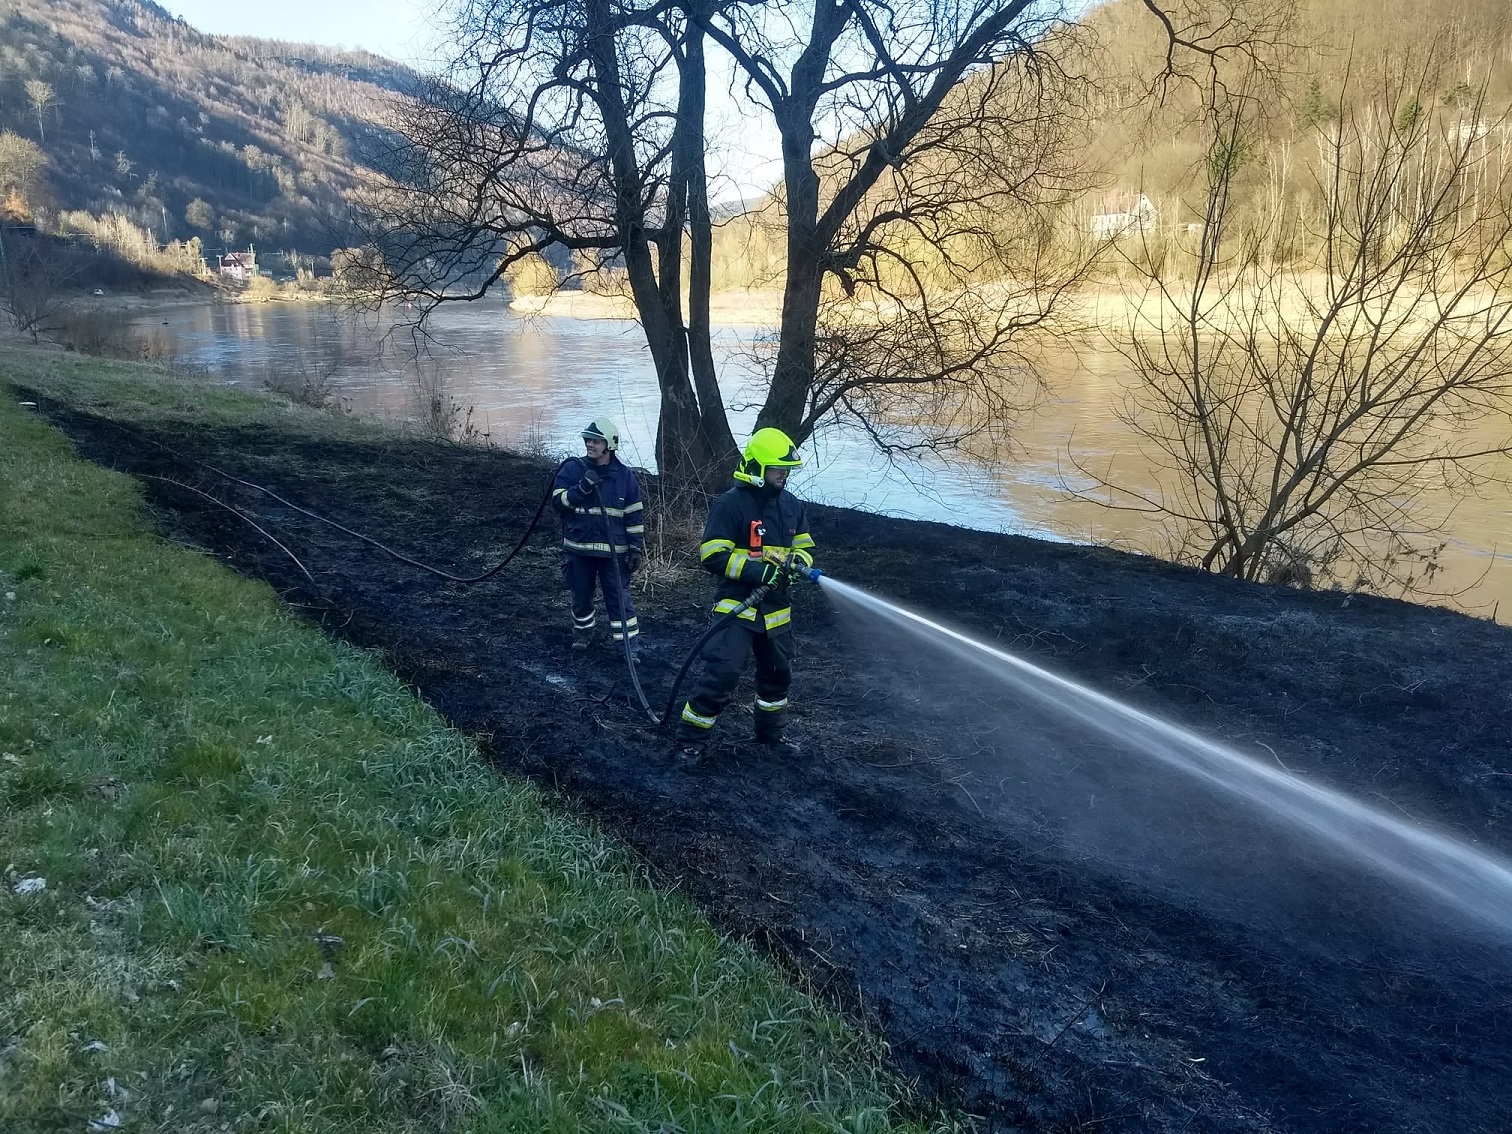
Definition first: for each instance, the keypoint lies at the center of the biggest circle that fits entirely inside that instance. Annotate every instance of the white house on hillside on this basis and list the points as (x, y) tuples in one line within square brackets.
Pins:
[(239, 265), (1124, 212)]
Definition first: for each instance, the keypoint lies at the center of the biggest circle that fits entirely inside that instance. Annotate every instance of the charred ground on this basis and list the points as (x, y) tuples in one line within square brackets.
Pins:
[(898, 867)]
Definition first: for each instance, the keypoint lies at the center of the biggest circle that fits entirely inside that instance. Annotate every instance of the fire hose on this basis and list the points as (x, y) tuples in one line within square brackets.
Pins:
[(465, 580), (793, 567), (400, 556)]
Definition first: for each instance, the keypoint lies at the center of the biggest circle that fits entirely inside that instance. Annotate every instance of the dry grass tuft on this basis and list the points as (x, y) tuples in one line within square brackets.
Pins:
[(674, 527)]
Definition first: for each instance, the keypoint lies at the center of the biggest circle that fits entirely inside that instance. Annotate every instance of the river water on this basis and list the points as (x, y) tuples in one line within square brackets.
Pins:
[(534, 381)]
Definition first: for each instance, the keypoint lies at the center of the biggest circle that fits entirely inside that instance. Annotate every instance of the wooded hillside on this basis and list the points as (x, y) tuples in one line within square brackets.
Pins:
[(137, 114), (1135, 137), (1327, 50)]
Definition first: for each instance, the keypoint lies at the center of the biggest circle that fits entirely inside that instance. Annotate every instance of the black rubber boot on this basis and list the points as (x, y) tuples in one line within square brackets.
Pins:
[(780, 745), (689, 754), (581, 639)]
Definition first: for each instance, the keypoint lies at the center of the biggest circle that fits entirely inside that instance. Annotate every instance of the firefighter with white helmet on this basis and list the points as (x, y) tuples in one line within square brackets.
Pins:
[(603, 533), (756, 533)]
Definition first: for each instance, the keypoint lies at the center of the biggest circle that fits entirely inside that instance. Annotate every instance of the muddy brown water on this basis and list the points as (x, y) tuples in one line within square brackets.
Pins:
[(1040, 974)]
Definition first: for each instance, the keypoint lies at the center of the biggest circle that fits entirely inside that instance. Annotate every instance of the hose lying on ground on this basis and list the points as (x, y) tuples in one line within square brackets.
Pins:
[(466, 580), (400, 556), (623, 581), (665, 719), (239, 514)]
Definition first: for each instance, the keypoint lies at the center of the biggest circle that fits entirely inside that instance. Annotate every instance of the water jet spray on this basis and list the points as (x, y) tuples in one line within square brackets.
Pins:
[(1475, 883)]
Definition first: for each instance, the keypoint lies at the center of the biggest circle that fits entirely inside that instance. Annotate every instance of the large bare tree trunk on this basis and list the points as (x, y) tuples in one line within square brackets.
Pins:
[(552, 133), (719, 444), (682, 450), (793, 373)]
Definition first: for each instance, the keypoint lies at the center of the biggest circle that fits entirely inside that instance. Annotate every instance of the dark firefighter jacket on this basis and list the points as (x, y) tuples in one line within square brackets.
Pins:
[(583, 529), (743, 523)]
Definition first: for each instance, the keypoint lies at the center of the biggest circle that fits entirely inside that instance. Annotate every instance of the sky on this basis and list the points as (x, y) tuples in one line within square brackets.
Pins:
[(744, 161), (399, 29)]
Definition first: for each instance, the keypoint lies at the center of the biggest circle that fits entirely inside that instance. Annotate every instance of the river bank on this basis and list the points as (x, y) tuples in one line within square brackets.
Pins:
[(1032, 938), (753, 308), (1106, 306)]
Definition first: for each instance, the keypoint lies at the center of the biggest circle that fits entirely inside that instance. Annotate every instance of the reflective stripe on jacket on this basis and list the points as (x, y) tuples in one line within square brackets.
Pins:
[(618, 495), (743, 523)]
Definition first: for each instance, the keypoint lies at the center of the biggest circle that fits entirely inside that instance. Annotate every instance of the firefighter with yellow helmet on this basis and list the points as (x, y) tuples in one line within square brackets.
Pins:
[(755, 530)]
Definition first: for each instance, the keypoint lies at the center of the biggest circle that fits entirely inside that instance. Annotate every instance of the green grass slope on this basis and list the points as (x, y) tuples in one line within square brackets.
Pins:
[(213, 793)]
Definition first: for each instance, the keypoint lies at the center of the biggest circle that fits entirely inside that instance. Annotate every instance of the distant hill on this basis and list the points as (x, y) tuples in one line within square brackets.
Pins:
[(1136, 146), (230, 140), (239, 141)]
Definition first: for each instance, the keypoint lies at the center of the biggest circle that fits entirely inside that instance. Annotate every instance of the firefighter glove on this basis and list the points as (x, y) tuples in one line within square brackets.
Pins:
[(633, 560), (775, 575), (590, 482)]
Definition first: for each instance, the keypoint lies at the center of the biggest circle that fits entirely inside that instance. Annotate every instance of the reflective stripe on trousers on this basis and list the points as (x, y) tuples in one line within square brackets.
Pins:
[(770, 621), (724, 656), (584, 575)]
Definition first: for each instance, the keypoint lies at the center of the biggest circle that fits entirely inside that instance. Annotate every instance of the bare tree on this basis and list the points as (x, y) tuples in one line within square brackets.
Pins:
[(35, 283), (41, 96), (924, 148), (199, 215), (575, 129), (566, 126), (22, 166), (1325, 355)]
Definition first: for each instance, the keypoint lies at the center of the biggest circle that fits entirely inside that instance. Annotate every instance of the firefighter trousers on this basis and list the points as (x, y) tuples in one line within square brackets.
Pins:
[(724, 656), (583, 574)]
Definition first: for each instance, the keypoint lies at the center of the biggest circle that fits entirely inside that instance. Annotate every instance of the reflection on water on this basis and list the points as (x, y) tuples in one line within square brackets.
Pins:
[(534, 380)]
